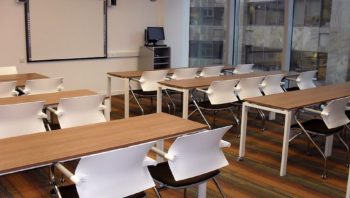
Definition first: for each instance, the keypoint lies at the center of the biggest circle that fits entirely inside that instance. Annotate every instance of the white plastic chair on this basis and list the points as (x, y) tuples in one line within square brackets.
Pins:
[(40, 86), (243, 69), (78, 111), (211, 71), (305, 80), (8, 70), (190, 165), (8, 89), (117, 173), (221, 97), (149, 85), (272, 84), (21, 119), (331, 121), (249, 88), (184, 73)]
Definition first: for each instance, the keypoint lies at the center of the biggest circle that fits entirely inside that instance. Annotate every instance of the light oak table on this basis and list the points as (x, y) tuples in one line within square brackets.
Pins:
[(126, 76), (286, 103), (185, 86), (41, 149), (21, 78)]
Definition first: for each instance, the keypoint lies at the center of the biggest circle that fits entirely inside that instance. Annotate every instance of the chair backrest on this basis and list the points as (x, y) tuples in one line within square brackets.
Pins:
[(117, 173), (8, 70), (8, 89), (272, 84), (21, 119), (149, 79), (185, 73), (211, 71), (81, 110), (45, 85), (197, 153), (334, 115), (249, 87), (221, 92), (305, 80), (243, 69)]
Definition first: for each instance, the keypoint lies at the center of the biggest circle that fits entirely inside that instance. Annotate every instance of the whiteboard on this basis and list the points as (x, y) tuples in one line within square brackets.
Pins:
[(66, 29)]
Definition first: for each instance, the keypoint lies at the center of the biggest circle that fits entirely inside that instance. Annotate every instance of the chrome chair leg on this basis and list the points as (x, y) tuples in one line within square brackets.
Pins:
[(237, 121), (137, 101), (263, 119), (192, 113), (347, 149), (219, 188), (171, 100), (200, 112), (53, 183), (157, 192)]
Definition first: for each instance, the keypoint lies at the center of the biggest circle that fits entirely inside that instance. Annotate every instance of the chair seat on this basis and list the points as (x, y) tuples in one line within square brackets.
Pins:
[(292, 89), (318, 126), (162, 173), (347, 113), (208, 105), (139, 92), (71, 192)]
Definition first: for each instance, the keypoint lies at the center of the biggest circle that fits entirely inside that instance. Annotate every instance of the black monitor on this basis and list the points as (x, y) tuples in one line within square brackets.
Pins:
[(155, 34)]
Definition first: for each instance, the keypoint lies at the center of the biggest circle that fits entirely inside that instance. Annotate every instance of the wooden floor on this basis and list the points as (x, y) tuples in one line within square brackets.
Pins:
[(256, 176)]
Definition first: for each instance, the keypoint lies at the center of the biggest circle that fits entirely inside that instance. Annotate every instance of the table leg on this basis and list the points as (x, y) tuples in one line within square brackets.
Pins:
[(202, 190), (159, 99), (329, 145), (244, 120), (348, 186), (126, 98), (108, 100), (284, 160), (185, 103)]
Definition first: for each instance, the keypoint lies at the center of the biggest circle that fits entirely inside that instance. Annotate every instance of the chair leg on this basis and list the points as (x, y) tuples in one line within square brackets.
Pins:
[(219, 188), (200, 112), (347, 149), (324, 174), (53, 183), (171, 101), (157, 192), (263, 119), (185, 192), (237, 122), (192, 113), (214, 119), (137, 101)]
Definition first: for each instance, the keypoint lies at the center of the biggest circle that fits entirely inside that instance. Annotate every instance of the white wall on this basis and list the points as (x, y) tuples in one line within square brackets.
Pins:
[(176, 24), (126, 23)]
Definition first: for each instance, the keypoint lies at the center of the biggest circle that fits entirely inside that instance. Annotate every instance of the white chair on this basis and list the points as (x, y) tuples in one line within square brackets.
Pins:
[(249, 88), (331, 121), (190, 165), (211, 71), (149, 85), (243, 69), (78, 111), (8, 70), (305, 80), (221, 97), (21, 119), (272, 84), (8, 89), (40, 86), (118, 173), (184, 73)]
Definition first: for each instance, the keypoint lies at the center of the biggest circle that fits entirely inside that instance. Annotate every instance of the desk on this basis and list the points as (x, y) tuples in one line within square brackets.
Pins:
[(184, 86), (42, 149), (21, 78), (126, 76), (285, 103), (49, 98)]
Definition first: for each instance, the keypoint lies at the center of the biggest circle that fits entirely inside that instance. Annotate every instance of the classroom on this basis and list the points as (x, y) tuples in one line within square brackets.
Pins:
[(174, 98)]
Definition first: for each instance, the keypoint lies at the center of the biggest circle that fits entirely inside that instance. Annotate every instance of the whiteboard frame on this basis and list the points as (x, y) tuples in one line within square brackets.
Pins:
[(28, 41)]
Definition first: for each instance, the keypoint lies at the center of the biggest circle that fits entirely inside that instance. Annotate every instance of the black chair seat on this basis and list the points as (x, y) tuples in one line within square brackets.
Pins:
[(317, 126), (145, 93), (347, 113), (292, 89), (162, 173), (71, 192), (208, 105)]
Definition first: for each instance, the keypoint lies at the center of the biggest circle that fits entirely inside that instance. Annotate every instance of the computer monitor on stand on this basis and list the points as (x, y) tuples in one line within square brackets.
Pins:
[(153, 35)]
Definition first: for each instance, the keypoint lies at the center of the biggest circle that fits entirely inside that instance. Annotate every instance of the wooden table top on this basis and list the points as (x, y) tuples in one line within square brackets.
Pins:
[(301, 98), (205, 82), (21, 78), (137, 74), (49, 98), (23, 152)]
